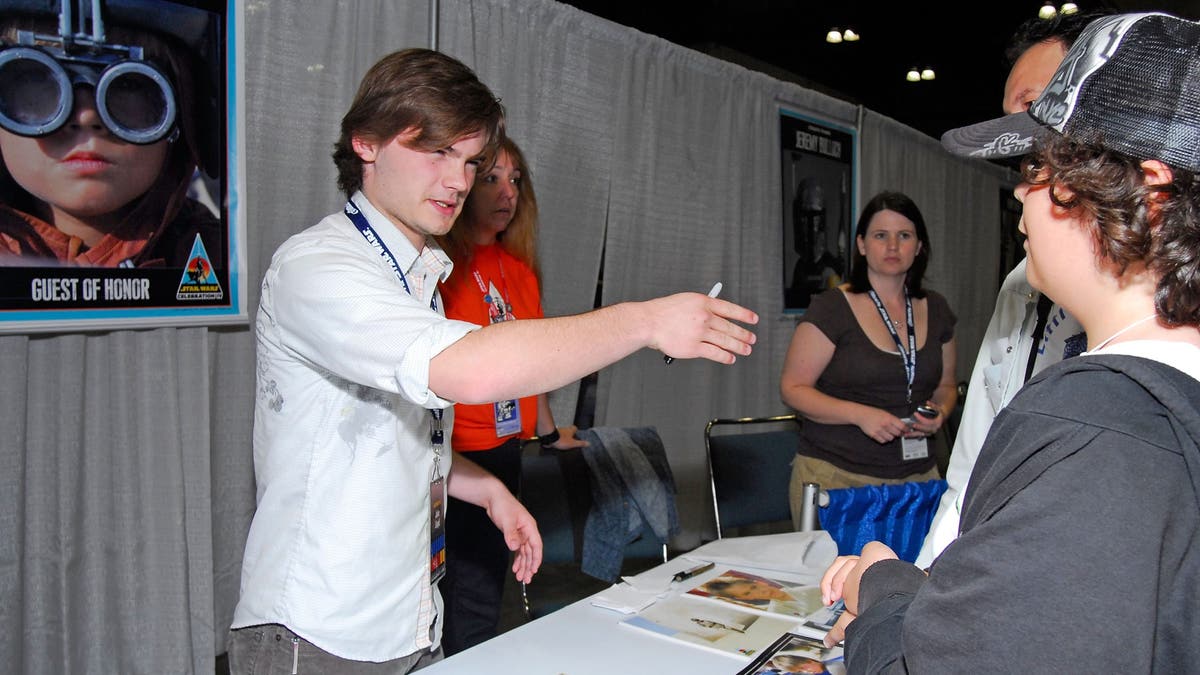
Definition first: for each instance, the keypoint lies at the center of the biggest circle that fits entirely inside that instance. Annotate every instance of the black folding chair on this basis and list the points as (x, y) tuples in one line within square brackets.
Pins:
[(749, 467)]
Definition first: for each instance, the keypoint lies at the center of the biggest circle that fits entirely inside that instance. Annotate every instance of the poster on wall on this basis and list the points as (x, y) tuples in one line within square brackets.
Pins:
[(818, 204), (120, 165)]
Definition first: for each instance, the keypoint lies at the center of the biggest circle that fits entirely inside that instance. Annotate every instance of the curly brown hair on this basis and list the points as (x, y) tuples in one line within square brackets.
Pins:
[(1132, 223)]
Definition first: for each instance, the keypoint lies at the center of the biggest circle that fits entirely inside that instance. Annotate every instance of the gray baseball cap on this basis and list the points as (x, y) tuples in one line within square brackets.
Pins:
[(1131, 81)]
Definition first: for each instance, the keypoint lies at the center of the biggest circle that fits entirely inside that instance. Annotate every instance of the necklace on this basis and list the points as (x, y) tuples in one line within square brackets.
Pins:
[(1121, 332)]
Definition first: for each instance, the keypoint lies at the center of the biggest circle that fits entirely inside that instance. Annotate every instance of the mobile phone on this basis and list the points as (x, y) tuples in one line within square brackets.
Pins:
[(927, 411)]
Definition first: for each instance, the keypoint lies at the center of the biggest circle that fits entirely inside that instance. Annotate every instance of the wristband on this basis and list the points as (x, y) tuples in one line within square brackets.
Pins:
[(549, 439)]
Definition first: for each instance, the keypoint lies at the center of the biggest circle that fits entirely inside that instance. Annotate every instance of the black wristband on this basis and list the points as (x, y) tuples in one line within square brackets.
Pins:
[(549, 439)]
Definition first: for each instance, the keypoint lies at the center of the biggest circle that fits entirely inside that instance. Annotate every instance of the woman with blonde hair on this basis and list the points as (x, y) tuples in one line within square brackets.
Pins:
[(496, 278)]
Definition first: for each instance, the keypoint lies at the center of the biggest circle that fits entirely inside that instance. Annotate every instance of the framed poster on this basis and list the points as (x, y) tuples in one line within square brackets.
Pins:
[(122, 164), (818, 175)]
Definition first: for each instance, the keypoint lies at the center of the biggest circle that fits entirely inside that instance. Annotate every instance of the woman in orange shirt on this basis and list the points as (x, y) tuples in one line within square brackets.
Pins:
[(496, 278)]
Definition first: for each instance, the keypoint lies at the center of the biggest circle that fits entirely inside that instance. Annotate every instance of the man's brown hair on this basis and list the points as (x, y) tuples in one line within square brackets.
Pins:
[(438, 96)]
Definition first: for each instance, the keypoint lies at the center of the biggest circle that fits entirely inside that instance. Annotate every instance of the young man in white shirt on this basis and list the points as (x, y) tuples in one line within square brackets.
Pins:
[(356, 364)]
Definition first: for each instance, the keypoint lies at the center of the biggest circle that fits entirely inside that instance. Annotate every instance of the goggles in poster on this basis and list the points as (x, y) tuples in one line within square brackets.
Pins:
[(134, 99)]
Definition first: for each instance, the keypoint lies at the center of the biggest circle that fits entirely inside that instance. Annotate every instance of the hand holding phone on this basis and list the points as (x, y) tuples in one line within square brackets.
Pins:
[(927, 411)]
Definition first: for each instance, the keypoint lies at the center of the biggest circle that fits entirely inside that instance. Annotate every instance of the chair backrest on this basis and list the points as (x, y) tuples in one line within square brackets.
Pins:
[(749, 467), (898, 515), (556, 489), (544, 494)]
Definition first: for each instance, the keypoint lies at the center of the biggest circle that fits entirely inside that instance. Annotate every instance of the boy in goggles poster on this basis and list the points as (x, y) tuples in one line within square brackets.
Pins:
[(115, 164)]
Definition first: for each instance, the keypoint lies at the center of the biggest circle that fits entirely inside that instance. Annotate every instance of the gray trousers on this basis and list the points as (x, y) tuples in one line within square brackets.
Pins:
[(272, 649)]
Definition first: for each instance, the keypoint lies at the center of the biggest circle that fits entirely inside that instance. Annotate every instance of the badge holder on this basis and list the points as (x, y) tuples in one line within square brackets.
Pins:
[(437, 504), (437, 529), (914, 448), (508, 417)]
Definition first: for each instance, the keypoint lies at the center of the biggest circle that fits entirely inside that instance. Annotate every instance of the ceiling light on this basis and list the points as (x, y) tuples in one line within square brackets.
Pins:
[(1047, 11), (850, 36), (833, 36), (1068, 8), (913, 75), (928, 74)]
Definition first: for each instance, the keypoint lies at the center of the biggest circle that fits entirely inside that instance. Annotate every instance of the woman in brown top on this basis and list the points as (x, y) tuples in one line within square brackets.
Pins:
[(865, 355)]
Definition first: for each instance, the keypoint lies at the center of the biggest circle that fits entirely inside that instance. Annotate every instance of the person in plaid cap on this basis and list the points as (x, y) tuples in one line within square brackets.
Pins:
[(1080, 540)]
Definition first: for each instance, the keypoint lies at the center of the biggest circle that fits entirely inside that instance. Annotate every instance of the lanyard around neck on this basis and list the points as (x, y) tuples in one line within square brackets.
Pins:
[(909, 355), (437, 436), (372, 237)]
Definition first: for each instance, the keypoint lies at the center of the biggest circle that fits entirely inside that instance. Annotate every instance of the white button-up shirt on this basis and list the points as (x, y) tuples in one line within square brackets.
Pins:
[(339, 548)]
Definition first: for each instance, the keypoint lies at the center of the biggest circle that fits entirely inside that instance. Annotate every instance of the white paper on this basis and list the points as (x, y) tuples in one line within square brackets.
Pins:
[(625, 598), (807, 554)]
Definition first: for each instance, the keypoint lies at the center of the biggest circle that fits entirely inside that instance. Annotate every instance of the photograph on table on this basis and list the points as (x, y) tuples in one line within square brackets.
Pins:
[(119, 165), (774, 596), (793, 653), (723, 629)]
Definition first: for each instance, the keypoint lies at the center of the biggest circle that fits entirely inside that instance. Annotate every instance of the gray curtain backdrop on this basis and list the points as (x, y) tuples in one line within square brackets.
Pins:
[(126, 473)]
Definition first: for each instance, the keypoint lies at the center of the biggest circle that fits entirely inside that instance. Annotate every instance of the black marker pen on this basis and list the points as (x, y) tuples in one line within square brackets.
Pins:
[(689, 573)]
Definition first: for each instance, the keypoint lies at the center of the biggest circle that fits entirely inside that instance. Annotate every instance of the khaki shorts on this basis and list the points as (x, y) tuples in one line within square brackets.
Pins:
[(809, 470)]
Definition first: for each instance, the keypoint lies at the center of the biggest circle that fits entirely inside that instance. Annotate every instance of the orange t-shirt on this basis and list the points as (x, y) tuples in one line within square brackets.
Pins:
[(463, 295)]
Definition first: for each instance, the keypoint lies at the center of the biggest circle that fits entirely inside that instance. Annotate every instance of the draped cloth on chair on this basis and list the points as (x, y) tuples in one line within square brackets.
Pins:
[(897, 515), (633, 492)]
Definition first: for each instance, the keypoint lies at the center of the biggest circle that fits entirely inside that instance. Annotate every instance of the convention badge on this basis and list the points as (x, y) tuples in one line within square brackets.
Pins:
[(437, 529), (914, 448), (498, 308), (508, 417)]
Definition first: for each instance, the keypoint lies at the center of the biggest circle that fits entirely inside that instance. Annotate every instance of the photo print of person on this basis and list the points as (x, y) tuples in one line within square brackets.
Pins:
[(818, 184), (793, 653), (114, 171)]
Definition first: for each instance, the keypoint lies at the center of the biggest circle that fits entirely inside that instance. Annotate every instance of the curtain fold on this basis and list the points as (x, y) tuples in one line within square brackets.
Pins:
[(554, 69), (113, 545)]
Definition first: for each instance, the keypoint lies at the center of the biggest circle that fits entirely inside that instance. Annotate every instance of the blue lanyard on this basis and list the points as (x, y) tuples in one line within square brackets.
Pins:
[(437, 435), (909, 356), (372, 237)]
